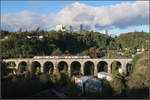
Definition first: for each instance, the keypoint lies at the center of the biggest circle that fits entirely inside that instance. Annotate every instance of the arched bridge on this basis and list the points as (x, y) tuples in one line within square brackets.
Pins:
[(55, 62)]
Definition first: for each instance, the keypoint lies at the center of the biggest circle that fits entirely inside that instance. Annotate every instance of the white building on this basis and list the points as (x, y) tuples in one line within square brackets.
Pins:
[(138, 50), (113, 35), (120, 70), (105, 31), (60, 27), (40, 37), (133, 55), (80, 29), (106, 75), (29, 37), (142, 49)]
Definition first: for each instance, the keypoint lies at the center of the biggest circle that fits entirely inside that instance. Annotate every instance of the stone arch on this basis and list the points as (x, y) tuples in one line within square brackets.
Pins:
[(116, 66), (128, 68), (48, 67), (36, 67), (22, 66), (75, 68), (5, 70), (102, 66), (62, 66), (89, 68)]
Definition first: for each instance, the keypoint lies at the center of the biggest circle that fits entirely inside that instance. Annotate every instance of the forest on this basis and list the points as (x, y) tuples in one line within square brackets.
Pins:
[(45, 43)]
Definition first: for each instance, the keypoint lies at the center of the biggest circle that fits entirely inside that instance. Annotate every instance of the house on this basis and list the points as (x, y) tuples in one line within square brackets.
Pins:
[(88, 83), (93, 85), (40, 37), (6, 37), (80, 81), (133, 55), (29, 37), (113, 35), (138, 50), (106, 75), (120, 70), (126, 49)]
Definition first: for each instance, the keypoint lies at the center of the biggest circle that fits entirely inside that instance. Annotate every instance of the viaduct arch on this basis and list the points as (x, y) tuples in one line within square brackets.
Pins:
[(55, 63)]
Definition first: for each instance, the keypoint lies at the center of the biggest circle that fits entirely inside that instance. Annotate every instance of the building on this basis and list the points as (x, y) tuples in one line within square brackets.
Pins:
[(80, 81), (106, 75), (138, 50), (6, 37), (88, 84), (113, 35), (120, 70), (80, 29), (93, 85), (126, 49), (29, 37), (105, 31), (133, 55), (68, 28), (60, 27), (142, 49), (40, 37), (121, 53)]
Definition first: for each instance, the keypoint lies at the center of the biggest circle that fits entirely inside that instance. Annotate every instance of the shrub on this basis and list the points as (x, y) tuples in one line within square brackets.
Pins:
[(107, 91), (118, 84), (55, 78), (59, 78), (44, 78)]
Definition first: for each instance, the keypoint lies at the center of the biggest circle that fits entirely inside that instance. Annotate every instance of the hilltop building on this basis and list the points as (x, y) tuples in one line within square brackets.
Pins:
[(80, 29), (69, 28), (60, 27), (139, 51), (113, 35), (105, 31)]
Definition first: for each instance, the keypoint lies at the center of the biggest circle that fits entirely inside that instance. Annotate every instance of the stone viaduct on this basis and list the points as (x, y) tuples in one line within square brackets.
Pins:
[(55, 63)]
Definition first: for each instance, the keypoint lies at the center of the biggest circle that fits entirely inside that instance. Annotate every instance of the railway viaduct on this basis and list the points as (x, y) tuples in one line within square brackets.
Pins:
[(55, 62)]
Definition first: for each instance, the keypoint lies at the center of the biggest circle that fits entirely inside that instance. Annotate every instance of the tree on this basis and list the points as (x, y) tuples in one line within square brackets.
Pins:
[(118, 84), (57, 52)]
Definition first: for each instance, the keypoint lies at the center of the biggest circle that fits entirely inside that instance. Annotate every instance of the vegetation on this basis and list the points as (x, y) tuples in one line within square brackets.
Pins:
[(136, 84), (139, 82), (28, 44)]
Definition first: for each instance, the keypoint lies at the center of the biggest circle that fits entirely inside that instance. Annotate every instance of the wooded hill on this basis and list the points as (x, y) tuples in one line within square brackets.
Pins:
[(29, 43)]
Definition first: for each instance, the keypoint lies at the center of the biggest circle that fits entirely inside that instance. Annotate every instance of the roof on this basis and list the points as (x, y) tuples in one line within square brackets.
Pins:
[(85, 78), (105, 73), (93, 84), (94, 80)]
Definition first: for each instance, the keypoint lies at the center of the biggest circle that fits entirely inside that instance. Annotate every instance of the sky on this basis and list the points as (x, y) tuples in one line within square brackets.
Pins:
[(115, 16)]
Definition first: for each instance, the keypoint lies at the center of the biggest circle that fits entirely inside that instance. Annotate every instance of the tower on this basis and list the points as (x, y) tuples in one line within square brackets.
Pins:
[(105, 31), (71, 29), (80, 29), (60, 27)]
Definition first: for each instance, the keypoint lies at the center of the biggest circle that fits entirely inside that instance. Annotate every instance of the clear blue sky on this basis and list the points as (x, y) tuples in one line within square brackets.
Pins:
[(48, 7)]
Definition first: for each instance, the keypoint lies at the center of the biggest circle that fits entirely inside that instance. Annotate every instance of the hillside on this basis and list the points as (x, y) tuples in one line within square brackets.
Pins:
[(139, 82), (45, 43), (134, 40)]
